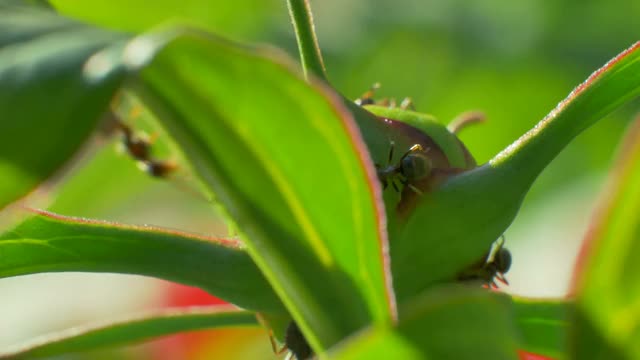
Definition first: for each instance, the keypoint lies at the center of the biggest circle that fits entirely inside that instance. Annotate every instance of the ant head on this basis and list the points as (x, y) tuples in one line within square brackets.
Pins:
[(502, 260), (415, 166)]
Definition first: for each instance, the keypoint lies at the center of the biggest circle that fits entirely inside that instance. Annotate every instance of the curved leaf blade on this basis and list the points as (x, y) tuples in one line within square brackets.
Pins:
[(43, 54), (471, 210), (607, 317), (543, 325), (313, 223), (444, 323), (131, 330), (48, 242)]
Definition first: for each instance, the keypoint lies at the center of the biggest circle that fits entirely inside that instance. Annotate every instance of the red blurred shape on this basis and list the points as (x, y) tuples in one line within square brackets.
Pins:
[(182, 295), (187, 345), (530, 356)]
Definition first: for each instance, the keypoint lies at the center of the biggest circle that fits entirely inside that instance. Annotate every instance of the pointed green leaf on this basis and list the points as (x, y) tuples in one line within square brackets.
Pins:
[(47, 242), (130, 331), (48, 99), (445, 323), (459, 220), (607, 288), (543, 325), (286, 160)]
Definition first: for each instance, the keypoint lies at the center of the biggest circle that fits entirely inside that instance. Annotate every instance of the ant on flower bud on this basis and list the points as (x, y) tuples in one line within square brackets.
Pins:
[(492, 267), (413, 165)]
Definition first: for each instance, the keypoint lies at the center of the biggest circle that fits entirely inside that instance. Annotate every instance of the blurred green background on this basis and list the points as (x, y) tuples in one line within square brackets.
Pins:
[(513, 60)]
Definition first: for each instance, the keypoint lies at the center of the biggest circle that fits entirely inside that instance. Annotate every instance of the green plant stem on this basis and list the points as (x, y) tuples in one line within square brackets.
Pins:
[(310, 56)]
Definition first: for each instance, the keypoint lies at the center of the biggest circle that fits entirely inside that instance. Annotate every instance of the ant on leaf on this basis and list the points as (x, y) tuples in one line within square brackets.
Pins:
[(137, 144)]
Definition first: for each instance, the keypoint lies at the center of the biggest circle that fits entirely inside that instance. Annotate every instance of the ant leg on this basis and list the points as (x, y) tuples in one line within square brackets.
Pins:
[(495, 248), (415, 189), (412, 187), (501, 241), (502, 279), (391, 148), (407, 104), (384, 182), (274, 346), (414, 148), (367, 97), (395, 186), (465, 119)]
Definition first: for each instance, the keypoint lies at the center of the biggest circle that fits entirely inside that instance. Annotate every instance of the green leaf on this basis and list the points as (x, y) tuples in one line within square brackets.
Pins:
[(444, 323), (131, 330), (287, 162), (543, 325), (460, 219), (242, 17), (48, 242), (607, 288), (44, 57)]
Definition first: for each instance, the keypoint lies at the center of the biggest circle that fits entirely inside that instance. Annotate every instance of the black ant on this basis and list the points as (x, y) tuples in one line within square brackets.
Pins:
[(294, 342), (139, 148), (413, 165), (493, 267)]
